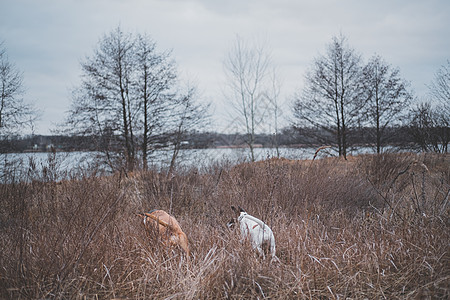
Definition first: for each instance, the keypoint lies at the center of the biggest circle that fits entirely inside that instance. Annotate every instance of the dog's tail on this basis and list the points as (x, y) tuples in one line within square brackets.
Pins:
[(143, 215)]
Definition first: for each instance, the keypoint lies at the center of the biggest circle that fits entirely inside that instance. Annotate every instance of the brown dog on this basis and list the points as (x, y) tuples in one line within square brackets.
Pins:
[(168, 228)]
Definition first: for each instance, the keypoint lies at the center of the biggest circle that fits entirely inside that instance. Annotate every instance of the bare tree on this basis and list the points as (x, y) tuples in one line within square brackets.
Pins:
[(156, 78), (387, 98), (247, 67), (440, 88), (273, 95), (127, 97), (429, 128), (15, 113), (331, 101), (429, 123), (103, 105)]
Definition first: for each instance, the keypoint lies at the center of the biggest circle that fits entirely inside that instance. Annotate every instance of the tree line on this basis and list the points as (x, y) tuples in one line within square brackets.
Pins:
[(130, 102), (402, 138)]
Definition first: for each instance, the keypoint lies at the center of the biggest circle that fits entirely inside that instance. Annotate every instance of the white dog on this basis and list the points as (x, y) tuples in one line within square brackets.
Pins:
[(256, 229)]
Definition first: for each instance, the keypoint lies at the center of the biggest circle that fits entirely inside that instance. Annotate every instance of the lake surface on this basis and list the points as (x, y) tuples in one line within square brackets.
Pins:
[(62, 164)]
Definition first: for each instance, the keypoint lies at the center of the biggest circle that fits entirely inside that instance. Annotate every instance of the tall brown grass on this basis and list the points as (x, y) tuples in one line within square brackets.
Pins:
[(374, 226)]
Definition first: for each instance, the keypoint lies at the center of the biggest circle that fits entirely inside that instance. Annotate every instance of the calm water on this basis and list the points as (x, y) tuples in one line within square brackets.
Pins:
[(63, 164)]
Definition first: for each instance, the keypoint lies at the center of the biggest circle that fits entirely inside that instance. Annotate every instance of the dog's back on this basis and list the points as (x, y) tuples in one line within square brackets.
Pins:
[(259, 232), (161, 218), (168, 228)]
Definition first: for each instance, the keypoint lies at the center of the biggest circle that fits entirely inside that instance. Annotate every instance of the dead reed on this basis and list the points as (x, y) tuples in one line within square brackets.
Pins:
[(375, 227)]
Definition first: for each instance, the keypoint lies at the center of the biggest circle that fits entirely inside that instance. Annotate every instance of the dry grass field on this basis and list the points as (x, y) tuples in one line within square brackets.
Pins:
[(371, 227)]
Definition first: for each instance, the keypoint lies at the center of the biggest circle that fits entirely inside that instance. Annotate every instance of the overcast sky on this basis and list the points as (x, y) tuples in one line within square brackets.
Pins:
[(46, 40)]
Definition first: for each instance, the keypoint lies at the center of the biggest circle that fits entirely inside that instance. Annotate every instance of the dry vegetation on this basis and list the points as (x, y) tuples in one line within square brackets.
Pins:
[(373, 227)]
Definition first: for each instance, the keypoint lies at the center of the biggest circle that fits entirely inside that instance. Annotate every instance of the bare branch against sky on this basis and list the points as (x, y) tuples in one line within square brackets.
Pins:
[(47, 39)]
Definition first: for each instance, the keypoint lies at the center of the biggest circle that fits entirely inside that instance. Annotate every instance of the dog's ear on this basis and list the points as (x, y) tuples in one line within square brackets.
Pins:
[(241, 209), (231, 224), (234, 209)]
